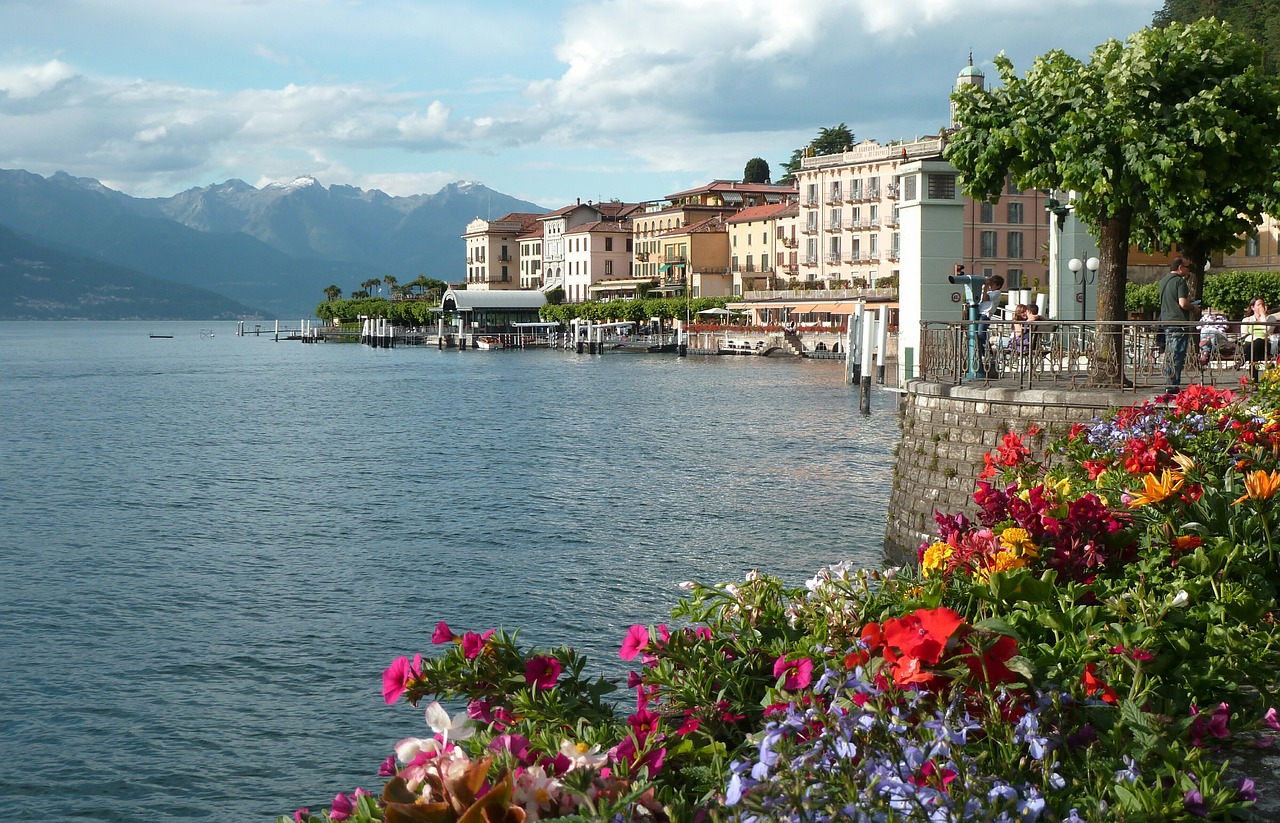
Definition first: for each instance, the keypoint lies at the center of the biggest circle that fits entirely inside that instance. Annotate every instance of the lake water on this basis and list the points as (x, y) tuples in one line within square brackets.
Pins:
[(212, 546)]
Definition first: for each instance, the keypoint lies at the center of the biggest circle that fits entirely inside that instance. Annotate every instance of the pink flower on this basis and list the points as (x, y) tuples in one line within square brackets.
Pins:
[(689, 726), (388, 767), (342, 807), (702, 632), (516, 744), (542, 672), (442, 634), (396, 677), (637, 640), (479, 710), (301, 814), (664, 633), (799, 672), (1270, 719), (473, 644)]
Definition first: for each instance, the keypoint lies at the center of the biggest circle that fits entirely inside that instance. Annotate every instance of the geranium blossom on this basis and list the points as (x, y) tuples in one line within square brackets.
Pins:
[(799, 672), (396, 677)]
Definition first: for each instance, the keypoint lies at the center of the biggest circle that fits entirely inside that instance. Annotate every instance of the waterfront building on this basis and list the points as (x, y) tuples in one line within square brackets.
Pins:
[(762, 246), (555, 224), (695, 256), (595, 252), (492, 251), (531, 257)]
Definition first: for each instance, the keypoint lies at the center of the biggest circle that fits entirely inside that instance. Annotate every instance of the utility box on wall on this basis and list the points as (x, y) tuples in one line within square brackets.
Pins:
[(931, 219)]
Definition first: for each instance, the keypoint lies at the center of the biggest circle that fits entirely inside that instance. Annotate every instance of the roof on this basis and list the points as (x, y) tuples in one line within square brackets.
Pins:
[(535, 233), (722, 186), (712, 225), (613, 226), (765, 212), (510, 300)]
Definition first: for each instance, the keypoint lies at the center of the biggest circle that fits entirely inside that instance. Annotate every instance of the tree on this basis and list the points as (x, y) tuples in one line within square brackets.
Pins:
[(369, 285), (392, 281), (1147, 134), (332, 293), (831, 140), (1256, 19), (756, 171)]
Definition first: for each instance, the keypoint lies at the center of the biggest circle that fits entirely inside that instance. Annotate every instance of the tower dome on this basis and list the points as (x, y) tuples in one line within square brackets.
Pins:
[(970, 75)]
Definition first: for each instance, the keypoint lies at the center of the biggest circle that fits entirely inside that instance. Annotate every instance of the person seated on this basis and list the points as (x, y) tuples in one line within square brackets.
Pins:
[(1020, 342), (1033, 313), (1213, 333), (1255, 331)]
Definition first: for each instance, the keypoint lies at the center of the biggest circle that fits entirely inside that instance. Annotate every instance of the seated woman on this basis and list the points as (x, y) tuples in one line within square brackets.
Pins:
[(1255, 328), (1021, 340)]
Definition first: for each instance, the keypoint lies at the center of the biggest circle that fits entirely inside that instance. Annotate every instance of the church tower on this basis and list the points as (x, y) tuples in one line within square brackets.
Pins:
[(970, 75)]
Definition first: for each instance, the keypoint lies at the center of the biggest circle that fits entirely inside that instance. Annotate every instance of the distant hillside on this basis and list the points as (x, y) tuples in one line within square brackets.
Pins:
[(277, 247), (39, 283)]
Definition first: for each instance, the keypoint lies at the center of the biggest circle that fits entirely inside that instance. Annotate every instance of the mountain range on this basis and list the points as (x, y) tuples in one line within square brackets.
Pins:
[(267, 251)]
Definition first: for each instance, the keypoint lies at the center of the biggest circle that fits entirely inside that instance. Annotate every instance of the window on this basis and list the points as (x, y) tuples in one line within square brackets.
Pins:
[(857, 216), (811, 250), (608, 244), (875, 246), (1252, 248), (875, 215), (833, 223), (835, 190), (988, 244), (834, 251), (811, 221), (1011, 186), (764, 237), (764, 262), (628, 244), (748, 239), (1015, 245), (1015, 212), (505, 276), (909, 187), (608, 268), (734, 263), (1013, 280), (942, 187), (855, 249), (873, 187), (986, 213), (811, 193)]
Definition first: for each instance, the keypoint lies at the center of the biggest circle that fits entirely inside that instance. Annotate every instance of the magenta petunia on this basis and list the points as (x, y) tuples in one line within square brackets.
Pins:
[(301, 815), (799, 672), (442, 634), (342, 807), (388, 767), (472, 645), (396, 677), (517, 744), (637, 640), (542, 672)]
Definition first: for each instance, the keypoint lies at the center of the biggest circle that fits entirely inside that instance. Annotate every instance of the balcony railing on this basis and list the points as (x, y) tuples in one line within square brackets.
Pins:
[(810, 229), (834, 258), (811, 261), (1107, 355), (833, 225), (893, 191), (853, 195)]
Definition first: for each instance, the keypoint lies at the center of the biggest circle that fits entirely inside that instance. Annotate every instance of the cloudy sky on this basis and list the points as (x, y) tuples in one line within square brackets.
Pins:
[(547, 100)]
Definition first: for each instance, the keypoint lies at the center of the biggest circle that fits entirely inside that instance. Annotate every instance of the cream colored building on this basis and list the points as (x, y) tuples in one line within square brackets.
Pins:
[(493, 251), (531, 257), (762, 246)]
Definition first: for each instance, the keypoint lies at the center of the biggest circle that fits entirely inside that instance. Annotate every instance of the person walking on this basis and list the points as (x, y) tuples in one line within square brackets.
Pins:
[(1175, 311)]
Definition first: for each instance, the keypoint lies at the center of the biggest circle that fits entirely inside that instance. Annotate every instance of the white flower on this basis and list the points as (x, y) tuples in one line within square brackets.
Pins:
[(687, 585), (535, 791), (892, 572), (459, 728), (841, 570), (407, 749), (753, 575), (731, 589), (1180, 599), (580, 756)]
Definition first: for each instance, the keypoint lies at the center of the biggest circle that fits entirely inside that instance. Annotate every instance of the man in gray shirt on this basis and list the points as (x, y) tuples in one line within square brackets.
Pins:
[(1175, 305)]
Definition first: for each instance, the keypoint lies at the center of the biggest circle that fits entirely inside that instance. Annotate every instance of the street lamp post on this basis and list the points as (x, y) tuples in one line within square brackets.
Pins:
[(1082, 274)]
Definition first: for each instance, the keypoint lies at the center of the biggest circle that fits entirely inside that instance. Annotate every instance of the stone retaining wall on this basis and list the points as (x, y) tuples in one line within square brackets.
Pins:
[(947, 429)]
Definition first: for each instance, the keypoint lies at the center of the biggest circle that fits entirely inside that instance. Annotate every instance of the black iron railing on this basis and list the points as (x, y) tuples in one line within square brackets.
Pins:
[(1128, 355)]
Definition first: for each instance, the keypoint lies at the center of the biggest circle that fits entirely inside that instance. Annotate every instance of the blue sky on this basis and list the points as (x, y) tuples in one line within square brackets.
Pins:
[(547, 100)]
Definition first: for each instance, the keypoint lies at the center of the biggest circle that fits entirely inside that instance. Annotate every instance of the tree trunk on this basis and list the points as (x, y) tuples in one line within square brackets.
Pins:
[(1107, 365), (1196, 250)]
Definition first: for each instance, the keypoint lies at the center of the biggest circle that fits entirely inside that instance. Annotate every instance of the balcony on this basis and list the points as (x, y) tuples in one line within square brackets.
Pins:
[(810, 229), (504, 258), (809, 202), (853, 224), (789, 242), (873, 194), (833, 259), (833, 225), (894, 191), (811, 261), (833, 199), (642, 257), (853, 195), (673, 259)]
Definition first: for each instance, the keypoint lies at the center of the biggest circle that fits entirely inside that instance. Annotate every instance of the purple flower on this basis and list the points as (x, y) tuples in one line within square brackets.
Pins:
[(1247, 791), (1193, 802), (342, 807), (388, 767)]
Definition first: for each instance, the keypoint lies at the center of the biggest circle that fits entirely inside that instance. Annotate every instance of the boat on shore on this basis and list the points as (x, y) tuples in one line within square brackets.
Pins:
[(161, 336)]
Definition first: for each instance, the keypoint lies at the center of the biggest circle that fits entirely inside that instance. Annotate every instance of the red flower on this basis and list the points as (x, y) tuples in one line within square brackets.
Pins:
[(989, 667), (542, 672), (923, 634), (872, 636), (1092, 685)]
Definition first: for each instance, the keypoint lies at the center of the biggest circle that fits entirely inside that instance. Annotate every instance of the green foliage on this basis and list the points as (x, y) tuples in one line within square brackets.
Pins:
[(1232, 291), (1168, 137), (756, 171), (399, 312), (1256, 19), (1142, 299), (638, 310)]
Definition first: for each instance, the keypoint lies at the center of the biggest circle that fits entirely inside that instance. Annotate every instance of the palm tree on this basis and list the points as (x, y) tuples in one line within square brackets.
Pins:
[(370, 285), (332, 293), (391, 282)]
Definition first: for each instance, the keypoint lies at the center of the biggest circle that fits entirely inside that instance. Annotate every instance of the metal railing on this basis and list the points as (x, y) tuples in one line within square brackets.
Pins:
[(1125, 355)]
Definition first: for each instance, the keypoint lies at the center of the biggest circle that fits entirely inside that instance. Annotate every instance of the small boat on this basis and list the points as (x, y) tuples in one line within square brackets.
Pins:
[(162, 337), (488, 343)]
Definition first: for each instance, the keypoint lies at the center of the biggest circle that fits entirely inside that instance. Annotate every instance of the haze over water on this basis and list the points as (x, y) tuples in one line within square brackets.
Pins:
[(213, 546)]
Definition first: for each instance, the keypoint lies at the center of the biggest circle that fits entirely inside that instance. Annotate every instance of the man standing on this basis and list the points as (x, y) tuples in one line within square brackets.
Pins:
[(1175, 305)]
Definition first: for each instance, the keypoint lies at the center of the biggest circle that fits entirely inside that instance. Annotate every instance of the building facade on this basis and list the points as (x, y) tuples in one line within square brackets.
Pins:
[(531, 257), (762, 246), (595, 252), (493, 251)]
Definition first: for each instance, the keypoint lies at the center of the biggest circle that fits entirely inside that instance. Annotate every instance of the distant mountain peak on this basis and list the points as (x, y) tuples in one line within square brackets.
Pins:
[(305, 181)]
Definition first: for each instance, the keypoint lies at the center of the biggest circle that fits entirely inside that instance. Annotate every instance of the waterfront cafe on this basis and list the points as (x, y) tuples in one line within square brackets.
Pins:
[(812, 311), (491, 311)]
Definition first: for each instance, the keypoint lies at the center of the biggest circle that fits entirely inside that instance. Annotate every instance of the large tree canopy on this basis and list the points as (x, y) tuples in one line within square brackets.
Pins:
[(1168, 136), (1256, 19), (756, 171)]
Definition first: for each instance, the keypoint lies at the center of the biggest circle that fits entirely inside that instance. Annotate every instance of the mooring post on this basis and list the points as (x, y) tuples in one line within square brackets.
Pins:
[(864, 400)]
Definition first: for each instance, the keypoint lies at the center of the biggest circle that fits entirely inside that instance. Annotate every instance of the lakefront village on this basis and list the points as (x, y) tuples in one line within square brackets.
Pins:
[(1039, 583), (1076, 621)]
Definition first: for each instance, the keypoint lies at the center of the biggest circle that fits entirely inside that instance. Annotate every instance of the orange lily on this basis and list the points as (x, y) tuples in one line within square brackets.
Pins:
[(1259, 485), (1156, 489)]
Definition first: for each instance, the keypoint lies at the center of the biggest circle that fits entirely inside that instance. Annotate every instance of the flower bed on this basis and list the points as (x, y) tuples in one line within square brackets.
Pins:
[(1093, 645)]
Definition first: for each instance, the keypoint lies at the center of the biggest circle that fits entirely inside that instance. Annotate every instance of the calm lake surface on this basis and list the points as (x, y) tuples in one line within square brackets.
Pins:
[(212, 546)]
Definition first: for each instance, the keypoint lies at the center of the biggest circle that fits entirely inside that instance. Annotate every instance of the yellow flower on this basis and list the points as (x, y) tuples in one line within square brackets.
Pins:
[(1018, 542), (999, 562), (1259, 485), (1156, 489), (1184, 462), (936, 557)]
